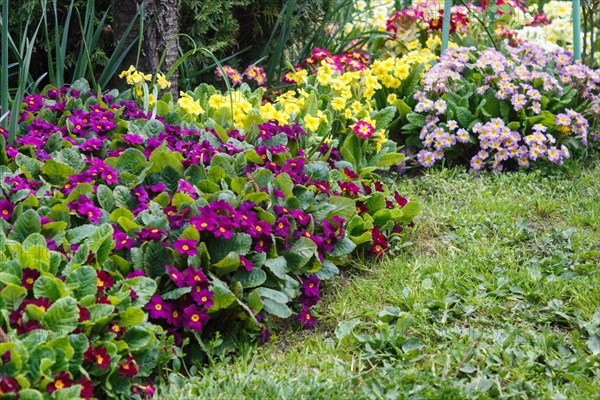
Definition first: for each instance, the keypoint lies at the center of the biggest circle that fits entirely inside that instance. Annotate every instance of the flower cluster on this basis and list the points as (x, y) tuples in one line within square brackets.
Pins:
[(252, 73), (428, 15), (553, 29), (522, 106), (88, 311)]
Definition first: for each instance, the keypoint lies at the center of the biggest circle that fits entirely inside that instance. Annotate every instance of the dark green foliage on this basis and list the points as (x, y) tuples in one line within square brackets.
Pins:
[(21, 11), (247, 27)]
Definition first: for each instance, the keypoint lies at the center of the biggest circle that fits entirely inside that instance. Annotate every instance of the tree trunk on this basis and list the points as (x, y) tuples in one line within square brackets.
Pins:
[(161, 26)]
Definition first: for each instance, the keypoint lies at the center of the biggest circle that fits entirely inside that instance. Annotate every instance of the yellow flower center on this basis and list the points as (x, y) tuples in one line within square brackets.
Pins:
[(185, 247), (204, 299), (158, 307), (59, 384), (99, 359), (195, 317)]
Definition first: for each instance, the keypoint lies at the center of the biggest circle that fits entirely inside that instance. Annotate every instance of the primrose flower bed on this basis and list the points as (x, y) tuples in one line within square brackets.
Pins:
[(495, 110), (125, 239)]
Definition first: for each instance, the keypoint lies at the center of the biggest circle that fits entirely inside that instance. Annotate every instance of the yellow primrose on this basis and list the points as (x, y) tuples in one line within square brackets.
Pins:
[(380, 134), (188, 104), (162, 81), (127, 72), (312, 123), (299, 76), (338, 103), (322, 116), (356, 107)]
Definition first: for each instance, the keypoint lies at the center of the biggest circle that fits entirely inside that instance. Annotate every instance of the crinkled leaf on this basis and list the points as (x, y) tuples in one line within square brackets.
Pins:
[(137, 337), (27, 223), (82, 281), (62, 316)]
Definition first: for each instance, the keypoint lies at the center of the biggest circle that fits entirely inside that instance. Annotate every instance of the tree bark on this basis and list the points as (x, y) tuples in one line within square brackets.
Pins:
[(161, 26)]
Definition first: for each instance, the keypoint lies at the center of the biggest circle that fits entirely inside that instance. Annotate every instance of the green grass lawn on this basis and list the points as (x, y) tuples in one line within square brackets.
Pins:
[(498, 296)]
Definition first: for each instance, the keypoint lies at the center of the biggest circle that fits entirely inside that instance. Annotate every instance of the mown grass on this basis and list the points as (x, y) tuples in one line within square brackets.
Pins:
[(498, 297)]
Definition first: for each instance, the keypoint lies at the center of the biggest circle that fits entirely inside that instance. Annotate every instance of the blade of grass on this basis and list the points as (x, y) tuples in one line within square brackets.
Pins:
[(61, 49), (86, 58), (27, 46), (4, 90), (51, 72), (140, 36), (273, 68), (120, 52)]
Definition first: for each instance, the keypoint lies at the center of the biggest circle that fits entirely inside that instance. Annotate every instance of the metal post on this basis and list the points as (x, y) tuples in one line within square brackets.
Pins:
[(492, 15), (576, 30), (446, 24)]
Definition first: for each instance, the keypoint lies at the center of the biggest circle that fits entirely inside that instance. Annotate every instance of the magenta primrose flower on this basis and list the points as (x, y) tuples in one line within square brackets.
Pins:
[(90, 211), (6, 209), (151, 233), (132, 139), (176, 276), (310, 286), (306, 318), (122, 241), (29, 277), (186, 246), (202, 296), (195, 318), (158, 308), (195, 277), (363, 129), (247, 264), (62, 380), (282, 227), (98, 356)]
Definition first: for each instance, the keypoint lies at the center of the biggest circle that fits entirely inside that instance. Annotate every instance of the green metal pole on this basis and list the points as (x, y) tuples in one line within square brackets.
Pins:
[(576, 30), (446, 25), (491, 27)]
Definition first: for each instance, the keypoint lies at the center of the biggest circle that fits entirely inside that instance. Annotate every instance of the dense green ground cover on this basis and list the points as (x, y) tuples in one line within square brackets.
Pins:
[(497, 297)]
